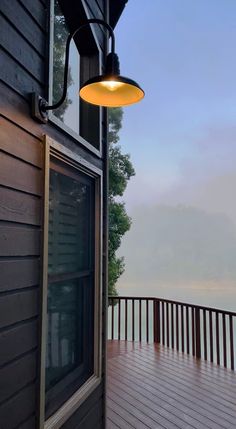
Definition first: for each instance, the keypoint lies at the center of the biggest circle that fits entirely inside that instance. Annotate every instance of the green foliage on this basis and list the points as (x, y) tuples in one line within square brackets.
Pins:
[(115, 117), (116, 267), (119, 224), (120, 172)]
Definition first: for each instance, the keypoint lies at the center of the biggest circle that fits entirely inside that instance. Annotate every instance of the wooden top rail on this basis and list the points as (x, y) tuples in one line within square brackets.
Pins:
[(148, 298)]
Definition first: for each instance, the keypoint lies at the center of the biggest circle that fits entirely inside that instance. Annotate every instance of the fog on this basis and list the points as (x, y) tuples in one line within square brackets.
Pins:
[(182, 243), (182, 142), (183, 253)]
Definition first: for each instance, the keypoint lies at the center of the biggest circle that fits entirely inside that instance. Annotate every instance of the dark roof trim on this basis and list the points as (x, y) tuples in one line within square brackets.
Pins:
[(75, 17), (116, 8)]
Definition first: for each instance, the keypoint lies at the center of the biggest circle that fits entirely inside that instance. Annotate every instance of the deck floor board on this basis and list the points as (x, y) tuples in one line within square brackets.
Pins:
[(151, 386)]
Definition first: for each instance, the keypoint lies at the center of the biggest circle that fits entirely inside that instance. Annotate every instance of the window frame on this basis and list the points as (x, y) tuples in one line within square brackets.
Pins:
[(55, 150), (52, 118)]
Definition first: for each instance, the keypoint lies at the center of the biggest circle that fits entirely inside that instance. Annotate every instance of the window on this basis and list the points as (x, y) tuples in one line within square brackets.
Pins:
[(71, 313), (70, 308), (74, 116), (68, 113)]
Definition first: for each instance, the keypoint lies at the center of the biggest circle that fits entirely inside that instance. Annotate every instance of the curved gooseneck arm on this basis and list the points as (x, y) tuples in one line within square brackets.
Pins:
[(44, 107)]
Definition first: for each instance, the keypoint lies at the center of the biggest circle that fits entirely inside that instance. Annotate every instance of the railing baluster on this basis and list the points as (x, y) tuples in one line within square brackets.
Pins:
[(163, 322), (198, 332), (231, 331), (211, 336), (224, 340), (147, 320), (119, 303), (126, 320), (217, 339), (177, 325), (140, 320), (133, 331), (167, 325), (193, 333), (112, 319), (156, 321), (182, 327), (187, 328), (205, 334), (172, 326)]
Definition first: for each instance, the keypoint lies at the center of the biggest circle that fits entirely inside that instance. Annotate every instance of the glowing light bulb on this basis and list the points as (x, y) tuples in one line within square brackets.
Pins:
[(112, 85)]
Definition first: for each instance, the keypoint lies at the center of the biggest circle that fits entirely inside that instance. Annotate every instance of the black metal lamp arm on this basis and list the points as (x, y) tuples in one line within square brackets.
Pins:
[(44, 107)]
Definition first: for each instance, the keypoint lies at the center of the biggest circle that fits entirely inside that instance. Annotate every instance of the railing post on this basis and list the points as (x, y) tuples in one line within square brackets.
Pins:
[(198, 332), (156, 321)]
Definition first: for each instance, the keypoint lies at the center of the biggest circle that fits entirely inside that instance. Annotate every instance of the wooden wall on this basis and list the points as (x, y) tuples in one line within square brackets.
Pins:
[(24, 69)]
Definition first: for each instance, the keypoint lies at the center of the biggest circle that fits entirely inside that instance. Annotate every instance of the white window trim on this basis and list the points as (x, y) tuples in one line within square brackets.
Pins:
[(55, 149), (52, 117)]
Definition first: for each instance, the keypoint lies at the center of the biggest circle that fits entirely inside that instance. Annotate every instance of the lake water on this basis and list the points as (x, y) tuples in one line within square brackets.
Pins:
[(222, 297)]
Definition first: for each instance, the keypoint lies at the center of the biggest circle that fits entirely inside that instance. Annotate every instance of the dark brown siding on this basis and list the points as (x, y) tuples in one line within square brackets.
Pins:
[(23, 59), (24, 69), (20, 245), (21, 190)]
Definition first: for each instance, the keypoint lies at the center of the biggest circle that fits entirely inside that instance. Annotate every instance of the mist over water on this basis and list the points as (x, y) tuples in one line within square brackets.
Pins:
[(181, 253), (182, 243)]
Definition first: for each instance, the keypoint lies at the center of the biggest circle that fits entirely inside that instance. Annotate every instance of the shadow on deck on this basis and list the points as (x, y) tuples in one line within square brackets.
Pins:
[(151, 386)]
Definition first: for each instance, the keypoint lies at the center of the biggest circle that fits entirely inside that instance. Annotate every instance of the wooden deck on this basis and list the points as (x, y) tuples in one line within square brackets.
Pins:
[(151, 386)]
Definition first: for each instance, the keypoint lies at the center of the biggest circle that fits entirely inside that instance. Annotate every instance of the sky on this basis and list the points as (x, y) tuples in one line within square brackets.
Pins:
[(182, 136)]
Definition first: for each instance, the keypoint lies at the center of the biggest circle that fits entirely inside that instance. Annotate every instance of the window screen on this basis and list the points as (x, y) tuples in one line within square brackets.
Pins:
[(70, 308)]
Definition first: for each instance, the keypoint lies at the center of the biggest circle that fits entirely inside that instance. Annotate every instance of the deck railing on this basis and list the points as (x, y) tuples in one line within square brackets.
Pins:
[(204, 332)]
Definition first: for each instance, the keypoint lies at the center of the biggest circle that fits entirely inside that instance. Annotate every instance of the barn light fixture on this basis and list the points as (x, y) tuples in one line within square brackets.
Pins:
[(108, 90)]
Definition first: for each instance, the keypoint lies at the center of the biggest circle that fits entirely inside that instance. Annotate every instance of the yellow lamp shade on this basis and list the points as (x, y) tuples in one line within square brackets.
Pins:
[(109, 91)]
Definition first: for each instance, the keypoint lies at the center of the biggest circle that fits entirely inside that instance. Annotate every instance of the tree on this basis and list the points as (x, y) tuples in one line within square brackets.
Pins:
[(120, 172)]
